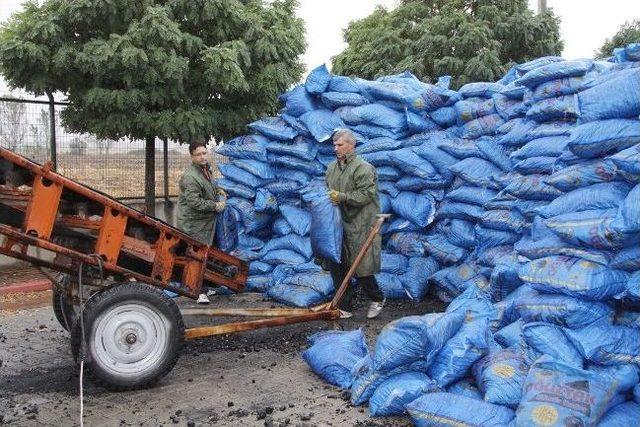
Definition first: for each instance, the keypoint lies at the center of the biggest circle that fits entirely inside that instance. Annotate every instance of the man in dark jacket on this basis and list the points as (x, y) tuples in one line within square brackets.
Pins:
[(200, 200), (353, 185)]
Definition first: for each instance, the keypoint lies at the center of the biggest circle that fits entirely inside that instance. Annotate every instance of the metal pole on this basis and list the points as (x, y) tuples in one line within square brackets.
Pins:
[(542, 6), (165, 159), (150, 175), (52, 131)]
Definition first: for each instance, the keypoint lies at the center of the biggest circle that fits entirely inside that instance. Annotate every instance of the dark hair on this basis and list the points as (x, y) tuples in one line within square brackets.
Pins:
[(194, 145)]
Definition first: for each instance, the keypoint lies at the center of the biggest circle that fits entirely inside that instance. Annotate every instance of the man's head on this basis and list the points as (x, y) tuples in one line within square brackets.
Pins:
[(198, 151), (344, 142)]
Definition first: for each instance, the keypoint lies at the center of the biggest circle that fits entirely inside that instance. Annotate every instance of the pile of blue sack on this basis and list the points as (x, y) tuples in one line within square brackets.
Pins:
[(517, 202)]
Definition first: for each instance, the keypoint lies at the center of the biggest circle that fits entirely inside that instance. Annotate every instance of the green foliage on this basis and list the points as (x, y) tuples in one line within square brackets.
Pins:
[(628, 33), (471, 40), (181, 69)]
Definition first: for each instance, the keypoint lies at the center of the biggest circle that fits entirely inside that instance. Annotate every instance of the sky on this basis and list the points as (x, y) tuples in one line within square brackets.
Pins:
[(584, 27)]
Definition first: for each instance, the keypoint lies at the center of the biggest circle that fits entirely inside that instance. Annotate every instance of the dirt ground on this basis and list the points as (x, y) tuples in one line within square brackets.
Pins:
[(251, 379)]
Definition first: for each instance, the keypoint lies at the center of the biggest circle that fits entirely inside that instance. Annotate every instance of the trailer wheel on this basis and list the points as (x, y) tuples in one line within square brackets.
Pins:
[(62, 308), (133, 336)]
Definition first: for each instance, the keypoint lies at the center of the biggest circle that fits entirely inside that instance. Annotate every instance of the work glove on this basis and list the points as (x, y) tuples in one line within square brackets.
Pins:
[(336, 197), (219, 206), (220, 192)]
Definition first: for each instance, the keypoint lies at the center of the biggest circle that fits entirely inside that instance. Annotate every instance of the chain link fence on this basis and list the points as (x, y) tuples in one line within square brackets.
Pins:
[(115, 167)]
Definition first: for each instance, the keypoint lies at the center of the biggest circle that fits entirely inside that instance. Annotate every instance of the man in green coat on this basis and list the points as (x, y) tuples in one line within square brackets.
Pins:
[(353, 185), (200, 200)]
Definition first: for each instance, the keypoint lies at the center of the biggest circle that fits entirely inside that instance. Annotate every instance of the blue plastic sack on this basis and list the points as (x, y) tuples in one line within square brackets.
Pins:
[(321, 123), (548, 387), (419, 122), (393, 263), (628, 259), (257, 268), (627, 219), (397, 391), (298, 219), (550, 339), (504, 220), (378, 144), (274, 128), (509, 108), (622, 415), (414, 338), (297, 296), (555, 70), (560, 108), (326, 226), (283, 256), (460, 352), (251, 220), (234, 189), (342, 84), (265, 201), (387, 173), (597, 196), (292, 242), (493, 152), (391, 286), (283, 188), (573, 277), (260, 169), (485, 125), (238, 175), (416, 279), (476, 171), (599, 138), (445, 116), (281, 227), (466, 388), (379, 158), (459, 148), (480, 89), (335, 100), (258, 282), (417, 208), (473, 195), (536, 165), (377, 115), (468, 110), (628, 318), (562, 310), (532, 187), (333, 355), (551, 146), (584, 173), (606, 344), (297, 176), (438, 158), (489, 237), (558, 87), (298, 101), (408, 244), (442, 250), (303, 149), (312, 168), (410, 163), (594, 228), (455, 210), (504, 280), (510, 335), (435, 409), (500, 376), (461, 233), (615, 98), (318, 80), (416, 184), (226, 233), (628, 161), (249, 151)]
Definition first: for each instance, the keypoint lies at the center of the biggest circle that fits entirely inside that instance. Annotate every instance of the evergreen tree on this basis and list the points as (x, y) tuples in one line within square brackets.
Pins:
[(629, 32), (471, 40), (177, 69)]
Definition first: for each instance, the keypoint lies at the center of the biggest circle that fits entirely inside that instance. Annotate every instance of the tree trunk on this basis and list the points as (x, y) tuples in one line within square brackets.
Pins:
[(150, 175)]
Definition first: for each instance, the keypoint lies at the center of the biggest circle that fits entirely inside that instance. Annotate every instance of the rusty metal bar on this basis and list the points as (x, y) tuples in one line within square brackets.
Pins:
[(363, 250), (228, 328), (245, 312)]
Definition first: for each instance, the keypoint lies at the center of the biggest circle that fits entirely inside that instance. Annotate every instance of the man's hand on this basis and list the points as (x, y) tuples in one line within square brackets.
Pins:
[(336, 197), (219, 206)]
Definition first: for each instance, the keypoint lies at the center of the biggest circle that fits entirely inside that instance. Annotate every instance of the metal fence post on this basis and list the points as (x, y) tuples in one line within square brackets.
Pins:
[(52, 131), (165, 160)]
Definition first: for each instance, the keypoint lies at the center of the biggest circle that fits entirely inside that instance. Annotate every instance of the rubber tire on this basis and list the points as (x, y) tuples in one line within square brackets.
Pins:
[(120, 294), (61, 307)]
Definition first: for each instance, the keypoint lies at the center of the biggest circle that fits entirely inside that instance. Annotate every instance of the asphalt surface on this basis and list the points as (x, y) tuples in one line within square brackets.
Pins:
[(254, 378)]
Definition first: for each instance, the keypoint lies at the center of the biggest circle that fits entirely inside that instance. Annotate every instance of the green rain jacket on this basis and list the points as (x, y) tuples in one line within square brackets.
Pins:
[(358, 181), (197, 205)]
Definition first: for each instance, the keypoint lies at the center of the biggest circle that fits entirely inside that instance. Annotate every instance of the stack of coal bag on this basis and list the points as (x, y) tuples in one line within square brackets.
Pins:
[(535, 240)]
